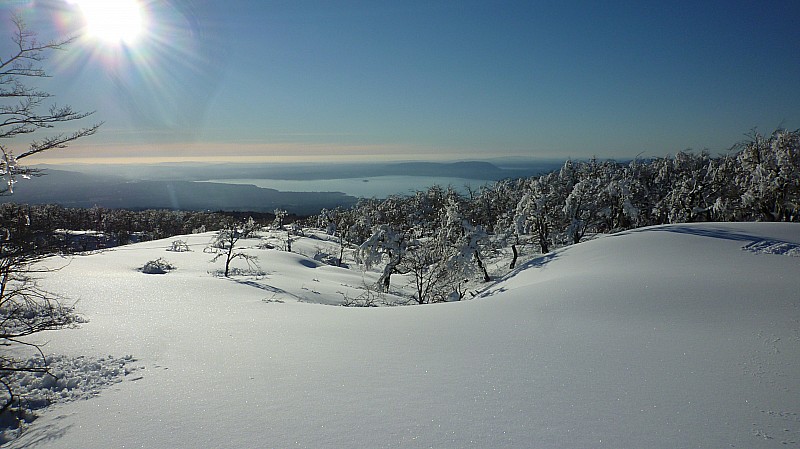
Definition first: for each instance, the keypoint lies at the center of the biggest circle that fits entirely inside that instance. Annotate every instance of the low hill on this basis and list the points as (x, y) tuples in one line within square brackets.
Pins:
[(74, 189), (665, 337)]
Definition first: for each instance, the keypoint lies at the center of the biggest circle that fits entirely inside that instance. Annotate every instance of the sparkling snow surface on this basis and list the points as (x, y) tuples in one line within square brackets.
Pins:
[(667, 337)]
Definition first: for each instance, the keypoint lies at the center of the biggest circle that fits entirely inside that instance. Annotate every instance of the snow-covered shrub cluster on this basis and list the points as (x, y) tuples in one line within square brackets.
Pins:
[(178, 246), (158, 266)]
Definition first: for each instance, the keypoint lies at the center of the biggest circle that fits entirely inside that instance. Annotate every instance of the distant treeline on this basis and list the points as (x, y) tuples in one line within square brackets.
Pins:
[(757, 180), (54, 227)]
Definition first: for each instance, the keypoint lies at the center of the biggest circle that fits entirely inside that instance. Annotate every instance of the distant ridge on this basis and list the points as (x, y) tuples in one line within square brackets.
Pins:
[(479, 170), (72, 189), (186, 186), (468, 169)]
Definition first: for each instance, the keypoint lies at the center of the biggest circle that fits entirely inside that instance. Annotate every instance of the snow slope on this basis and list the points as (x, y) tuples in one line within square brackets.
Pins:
[(674, 336)]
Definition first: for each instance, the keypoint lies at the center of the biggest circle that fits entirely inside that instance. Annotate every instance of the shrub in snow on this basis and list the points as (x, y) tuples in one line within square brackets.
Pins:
[(158, 266), (179, 246), (234, 271), (371, 297), (265, 245)]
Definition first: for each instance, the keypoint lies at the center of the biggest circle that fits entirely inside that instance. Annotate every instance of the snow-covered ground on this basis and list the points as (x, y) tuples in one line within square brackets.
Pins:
[(672, 337)]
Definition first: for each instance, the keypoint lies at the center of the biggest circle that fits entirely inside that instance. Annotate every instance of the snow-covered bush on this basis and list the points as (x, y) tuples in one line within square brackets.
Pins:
[(158, 266), (371, 296), (179, 246)]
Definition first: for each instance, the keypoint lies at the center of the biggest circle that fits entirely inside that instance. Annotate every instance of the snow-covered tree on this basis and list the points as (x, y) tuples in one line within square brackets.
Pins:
[(688, 198), (387, 243), (497, 204), (280, 219), (326, 219), (619, 210), (588, 204), (279, 224), (538, 211), (427, 262), (466, 242), (770, 175)]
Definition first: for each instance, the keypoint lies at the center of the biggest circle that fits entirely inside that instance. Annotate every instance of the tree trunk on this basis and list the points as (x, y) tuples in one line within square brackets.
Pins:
[(486, 277), (514, 260), (385, 278), (544, 244), (228, 259)]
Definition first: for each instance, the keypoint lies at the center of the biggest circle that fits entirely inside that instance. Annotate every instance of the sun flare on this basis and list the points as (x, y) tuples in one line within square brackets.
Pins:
[(117, 21)]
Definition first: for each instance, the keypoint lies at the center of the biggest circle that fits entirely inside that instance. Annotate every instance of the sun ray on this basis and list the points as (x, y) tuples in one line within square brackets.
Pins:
[(143, 82)]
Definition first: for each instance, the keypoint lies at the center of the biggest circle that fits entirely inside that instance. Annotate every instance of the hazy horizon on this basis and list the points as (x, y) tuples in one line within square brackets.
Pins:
[(298, 187)]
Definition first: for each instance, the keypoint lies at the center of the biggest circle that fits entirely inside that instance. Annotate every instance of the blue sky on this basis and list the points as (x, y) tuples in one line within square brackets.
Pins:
[(343, 80)]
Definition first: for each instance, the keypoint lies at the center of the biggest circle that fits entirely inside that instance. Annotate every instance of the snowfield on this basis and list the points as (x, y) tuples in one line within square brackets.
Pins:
[(677, 336)]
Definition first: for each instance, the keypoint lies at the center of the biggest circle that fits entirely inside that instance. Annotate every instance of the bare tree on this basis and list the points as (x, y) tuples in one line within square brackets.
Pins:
[(26, 309), (279, 224), (428, 263), (22, 107), (224, 244)]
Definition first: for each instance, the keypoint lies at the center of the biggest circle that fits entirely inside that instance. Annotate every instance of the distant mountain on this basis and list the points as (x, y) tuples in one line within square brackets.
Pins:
[(181, 186), (314, 171), (72, 189), (469, 170)]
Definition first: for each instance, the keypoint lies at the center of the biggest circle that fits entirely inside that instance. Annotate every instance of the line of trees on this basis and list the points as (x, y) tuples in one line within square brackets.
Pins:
[(116, 226), (441, 236)]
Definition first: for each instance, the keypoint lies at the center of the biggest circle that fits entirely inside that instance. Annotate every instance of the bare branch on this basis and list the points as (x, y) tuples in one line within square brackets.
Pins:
[(59, 141), (29, 49)]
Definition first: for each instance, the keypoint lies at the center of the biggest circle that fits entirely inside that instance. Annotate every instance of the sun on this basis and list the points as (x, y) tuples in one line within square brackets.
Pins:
[(113, 21)]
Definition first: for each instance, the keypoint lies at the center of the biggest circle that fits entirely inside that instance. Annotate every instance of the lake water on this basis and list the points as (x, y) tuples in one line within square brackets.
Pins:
[(374, 187)]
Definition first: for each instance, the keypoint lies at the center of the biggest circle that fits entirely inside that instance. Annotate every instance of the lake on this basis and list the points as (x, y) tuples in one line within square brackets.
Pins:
[(372, 187)]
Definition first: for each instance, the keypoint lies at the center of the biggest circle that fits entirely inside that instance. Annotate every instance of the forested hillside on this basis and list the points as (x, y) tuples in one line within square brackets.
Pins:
[(442, 237)]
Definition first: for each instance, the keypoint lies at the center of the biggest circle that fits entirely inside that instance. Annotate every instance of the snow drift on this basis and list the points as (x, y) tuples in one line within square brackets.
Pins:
[(669, 336)]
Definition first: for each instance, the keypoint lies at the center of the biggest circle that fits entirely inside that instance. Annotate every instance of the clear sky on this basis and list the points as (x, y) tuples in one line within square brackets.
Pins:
[(409, 79)]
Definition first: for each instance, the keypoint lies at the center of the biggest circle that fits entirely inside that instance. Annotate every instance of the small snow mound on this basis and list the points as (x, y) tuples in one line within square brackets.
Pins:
[(773, 247), (308, 263), (69, 379)]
